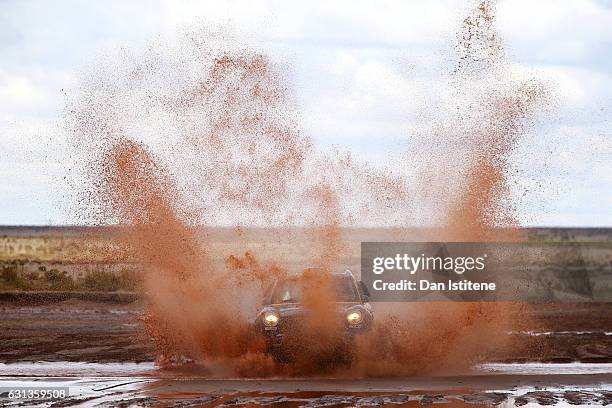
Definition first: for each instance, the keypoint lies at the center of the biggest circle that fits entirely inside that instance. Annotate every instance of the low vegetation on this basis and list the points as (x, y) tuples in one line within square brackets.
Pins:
[(13, 277), (102, 281)]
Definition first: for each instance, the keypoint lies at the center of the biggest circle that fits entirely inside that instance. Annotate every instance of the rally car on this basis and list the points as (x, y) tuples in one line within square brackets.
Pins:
[(284, 315)]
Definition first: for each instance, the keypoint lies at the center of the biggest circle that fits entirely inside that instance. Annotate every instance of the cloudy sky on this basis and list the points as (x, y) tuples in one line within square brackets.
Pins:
[(361, 72)]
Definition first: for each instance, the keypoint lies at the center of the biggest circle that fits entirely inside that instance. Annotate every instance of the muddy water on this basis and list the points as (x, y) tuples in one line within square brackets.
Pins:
[(145, 384), (228, 148)]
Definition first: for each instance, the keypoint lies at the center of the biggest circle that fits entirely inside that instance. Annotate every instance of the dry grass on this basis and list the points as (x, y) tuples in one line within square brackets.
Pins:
[(89, 259)]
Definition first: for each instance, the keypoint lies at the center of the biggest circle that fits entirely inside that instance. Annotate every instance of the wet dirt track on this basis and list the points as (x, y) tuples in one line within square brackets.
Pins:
[(119, 385), (96, 350), (72, 330), (87, 331)]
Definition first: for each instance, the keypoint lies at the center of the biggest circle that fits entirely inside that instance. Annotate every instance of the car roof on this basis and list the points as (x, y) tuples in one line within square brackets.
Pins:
[(345, 273)]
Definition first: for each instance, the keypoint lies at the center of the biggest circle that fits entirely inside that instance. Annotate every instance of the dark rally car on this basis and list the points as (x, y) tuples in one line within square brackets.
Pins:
[(283, 313)]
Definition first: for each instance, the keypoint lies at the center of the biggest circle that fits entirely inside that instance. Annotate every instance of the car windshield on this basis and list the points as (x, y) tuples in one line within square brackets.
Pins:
[(290, 290)]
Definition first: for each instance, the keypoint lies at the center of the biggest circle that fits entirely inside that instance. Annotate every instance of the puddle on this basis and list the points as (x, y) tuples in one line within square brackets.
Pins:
[(547, 368), (561, 333), (144, 384), (77, 369), (82, 369)]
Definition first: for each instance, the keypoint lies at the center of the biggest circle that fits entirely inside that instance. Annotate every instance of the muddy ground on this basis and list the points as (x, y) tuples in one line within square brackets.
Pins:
[(110, 331), (72, 330), (93, 346), (163, 390)]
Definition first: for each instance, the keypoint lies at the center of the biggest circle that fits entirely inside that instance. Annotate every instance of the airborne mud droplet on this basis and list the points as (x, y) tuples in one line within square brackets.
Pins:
[(226, 148)]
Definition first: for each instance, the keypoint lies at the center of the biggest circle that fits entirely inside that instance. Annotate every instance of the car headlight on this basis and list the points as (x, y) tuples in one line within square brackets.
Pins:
[(270, 319), (354, 317)]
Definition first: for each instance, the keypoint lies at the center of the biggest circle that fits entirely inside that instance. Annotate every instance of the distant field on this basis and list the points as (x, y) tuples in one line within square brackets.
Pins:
[(84, 244), (83, 258)]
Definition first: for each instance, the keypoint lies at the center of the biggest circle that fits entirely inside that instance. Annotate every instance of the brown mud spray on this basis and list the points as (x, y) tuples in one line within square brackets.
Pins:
[(229, 147)]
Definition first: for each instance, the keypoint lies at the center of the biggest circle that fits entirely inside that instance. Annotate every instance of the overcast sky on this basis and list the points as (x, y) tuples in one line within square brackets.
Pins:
[(359, 70)]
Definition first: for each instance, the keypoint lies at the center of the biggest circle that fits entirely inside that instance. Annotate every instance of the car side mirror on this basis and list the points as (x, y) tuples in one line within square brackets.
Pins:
[(365, 293)]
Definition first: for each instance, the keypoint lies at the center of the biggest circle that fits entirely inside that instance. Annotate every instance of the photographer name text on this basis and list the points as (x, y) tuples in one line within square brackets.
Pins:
[(411, 265)]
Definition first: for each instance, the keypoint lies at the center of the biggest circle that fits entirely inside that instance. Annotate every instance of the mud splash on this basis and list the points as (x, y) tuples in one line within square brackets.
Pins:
[(230, 151), (492, 107)]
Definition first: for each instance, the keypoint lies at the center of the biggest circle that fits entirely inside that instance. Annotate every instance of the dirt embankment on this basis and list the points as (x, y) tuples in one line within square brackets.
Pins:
[(22, 298), (71, 330)]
